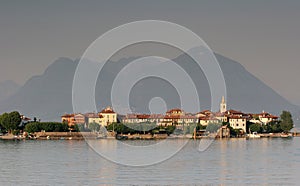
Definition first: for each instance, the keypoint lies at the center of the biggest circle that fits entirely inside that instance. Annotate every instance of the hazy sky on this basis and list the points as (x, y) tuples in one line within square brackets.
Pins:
[(262, 35)]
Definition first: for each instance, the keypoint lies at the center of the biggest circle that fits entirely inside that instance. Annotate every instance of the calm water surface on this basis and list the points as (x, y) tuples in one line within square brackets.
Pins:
[(226, 162)]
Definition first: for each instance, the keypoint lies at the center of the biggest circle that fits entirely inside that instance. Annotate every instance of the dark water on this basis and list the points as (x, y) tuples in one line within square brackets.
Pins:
[(225, 162)]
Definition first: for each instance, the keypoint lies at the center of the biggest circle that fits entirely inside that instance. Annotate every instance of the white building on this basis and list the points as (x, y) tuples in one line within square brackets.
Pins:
[(94, 118), (265, 117), (109, 116), (238, 122), (206, 120)]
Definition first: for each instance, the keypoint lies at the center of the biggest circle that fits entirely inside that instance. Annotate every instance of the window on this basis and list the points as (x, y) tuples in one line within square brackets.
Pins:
[(237, 124)]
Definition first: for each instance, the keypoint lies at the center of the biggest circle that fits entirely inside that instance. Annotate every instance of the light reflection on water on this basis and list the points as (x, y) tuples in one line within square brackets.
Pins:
[(227, 162)]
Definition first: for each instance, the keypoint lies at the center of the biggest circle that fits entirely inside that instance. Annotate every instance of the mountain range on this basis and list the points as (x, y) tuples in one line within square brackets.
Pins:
[(49, 95), (7, 89)]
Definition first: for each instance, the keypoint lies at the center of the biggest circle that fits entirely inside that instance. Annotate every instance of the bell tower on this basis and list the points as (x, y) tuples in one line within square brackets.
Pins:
[(223, 105)]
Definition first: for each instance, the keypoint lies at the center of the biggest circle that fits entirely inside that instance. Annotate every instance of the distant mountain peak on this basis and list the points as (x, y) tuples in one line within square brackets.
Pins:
[(49, 95), (8, 88)]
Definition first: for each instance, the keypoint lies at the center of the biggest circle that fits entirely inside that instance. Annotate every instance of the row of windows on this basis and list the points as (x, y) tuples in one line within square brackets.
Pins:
[(237, 119), (107, 116), (237, 125)]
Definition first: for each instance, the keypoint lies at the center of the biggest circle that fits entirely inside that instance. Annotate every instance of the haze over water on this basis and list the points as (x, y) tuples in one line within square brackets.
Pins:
[(227, 162)]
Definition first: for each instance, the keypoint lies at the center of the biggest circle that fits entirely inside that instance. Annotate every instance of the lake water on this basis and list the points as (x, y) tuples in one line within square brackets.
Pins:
[(226, 162)]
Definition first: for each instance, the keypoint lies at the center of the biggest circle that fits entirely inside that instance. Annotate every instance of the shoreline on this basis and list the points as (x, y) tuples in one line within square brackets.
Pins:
[(95, 136)]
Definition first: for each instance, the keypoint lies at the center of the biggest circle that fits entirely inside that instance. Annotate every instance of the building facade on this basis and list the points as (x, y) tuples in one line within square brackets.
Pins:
[(109, 116)]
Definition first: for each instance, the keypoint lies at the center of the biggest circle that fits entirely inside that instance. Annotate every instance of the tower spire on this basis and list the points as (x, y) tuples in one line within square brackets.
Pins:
[(223, 105)]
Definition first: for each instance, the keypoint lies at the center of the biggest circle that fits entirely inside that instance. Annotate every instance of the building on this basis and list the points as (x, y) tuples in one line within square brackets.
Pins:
[(109, 116), (136, 118), (24, 121), (207, 120), (69, 119), (79, 118), (204, 113), (175, 112), (94, 118), (222, 117), (238, 122), (173, 117), (266, 118), (178, 117), (223, 105)]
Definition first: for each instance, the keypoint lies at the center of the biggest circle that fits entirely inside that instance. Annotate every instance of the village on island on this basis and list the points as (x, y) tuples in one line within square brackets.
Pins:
[(175, 123)]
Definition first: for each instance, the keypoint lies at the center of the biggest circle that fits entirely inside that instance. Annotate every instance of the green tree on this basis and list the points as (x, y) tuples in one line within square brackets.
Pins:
[(248, 123), (10, 121), (170, 129), (200, 127), (46, 126), (286, 121), (233, 132), (79, 128), (275, 127), (213, 127), (15, 119), (32, 127), (256, 127), (94, 127)]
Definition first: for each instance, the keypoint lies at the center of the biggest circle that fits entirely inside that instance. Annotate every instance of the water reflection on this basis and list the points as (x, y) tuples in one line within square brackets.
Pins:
[(227, 162)]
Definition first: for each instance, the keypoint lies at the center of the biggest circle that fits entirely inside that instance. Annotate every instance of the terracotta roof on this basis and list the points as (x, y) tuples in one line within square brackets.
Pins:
[(219, 114), (179, 117), (272, 116), (26, 119), (175, 109), (68, 115), (234, 112), (93, 115), (208, 118), (106, 111), (205, 111), (143, 116), (267, 115), (156, 116), (237, 117)]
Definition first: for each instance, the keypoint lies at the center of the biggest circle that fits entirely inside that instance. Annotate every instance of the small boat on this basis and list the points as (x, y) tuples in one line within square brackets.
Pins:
[(254, 135), (121, 137), (101, 136), (286, 135)]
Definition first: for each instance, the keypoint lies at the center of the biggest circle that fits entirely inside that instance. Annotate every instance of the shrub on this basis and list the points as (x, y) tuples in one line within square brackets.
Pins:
[(46, 126)]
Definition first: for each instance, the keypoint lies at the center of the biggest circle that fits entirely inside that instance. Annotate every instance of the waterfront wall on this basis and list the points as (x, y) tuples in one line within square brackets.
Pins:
[(68, 135)]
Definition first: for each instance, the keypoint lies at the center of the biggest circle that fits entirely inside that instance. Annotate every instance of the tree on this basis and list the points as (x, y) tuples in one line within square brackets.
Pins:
[(32, 127), (80, 128), (200, 127), (170, 129), (11, 121), (46, 126), (286, 121), (94, 126), (213, 127), (255, 127), (248, 123)]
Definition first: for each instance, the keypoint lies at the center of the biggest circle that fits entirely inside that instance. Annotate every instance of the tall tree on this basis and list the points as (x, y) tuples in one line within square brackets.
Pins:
[(286, 121), (255, 127), (10, 121), (95, 127)]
